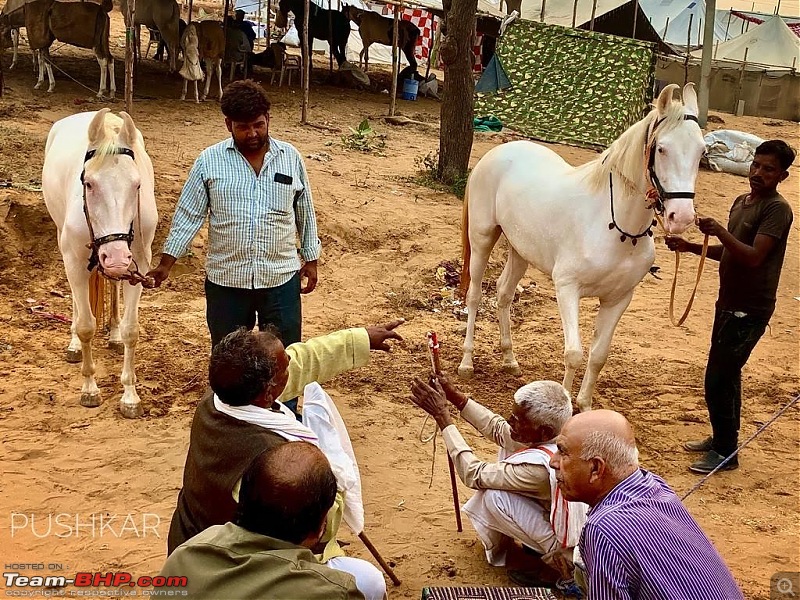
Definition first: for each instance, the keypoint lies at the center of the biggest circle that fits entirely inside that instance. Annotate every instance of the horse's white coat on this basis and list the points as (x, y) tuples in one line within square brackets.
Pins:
[(119, 192), (557, 217)]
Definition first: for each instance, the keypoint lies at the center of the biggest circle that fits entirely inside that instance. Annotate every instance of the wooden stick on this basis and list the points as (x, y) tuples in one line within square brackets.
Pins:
[(395, 60), (374, 551), (130, 57), (307, 46)]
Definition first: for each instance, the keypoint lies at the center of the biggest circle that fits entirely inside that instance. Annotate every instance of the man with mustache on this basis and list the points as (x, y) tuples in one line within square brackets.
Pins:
[(256, 194), (750, 259)]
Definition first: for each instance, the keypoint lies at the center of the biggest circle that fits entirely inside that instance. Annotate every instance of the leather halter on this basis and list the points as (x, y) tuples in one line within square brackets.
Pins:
[(657, 192), (94, 259)]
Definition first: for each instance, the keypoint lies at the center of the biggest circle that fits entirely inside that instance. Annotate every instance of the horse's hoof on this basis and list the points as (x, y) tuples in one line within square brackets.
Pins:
[(74, 356), (465, 372), (91, 400), (117, 347), (131, 411), (512, 369)]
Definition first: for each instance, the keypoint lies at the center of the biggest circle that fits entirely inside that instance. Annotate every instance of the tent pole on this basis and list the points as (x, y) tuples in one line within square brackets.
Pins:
[(258, 23), (574, 12), (688, 45), (635, 14), (330, 39), (594, 12), (268, 31), (189, 18), (306, 64), (541, 16), (130, 39), (225, 37), (666, 29), (705, 62), (741, 81), (728, 26), (395, 59)]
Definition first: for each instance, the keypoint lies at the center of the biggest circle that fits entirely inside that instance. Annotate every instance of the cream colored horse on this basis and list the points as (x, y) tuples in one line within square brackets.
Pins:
[(589, 228), (97, 182)]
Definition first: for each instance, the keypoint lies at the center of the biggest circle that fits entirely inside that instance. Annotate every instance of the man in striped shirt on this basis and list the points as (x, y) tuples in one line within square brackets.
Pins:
[(639, 541), (255, 192)]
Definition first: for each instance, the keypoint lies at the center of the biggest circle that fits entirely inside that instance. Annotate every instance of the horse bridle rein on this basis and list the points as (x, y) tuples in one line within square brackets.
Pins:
[(656, 192), (133, 277)]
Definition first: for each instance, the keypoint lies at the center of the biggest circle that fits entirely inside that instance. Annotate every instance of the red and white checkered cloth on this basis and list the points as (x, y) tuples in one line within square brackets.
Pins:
[(427, 23)]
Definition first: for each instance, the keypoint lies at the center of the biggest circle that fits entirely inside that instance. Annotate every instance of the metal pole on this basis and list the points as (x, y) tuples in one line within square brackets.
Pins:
[(306, 64), (594, 11), (705, 62), (395, 59), (574, 12), (130, 40)]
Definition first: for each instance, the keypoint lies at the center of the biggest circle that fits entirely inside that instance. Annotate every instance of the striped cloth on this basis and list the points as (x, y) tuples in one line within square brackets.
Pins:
[(253, 221), (486, 593), (641, 542)]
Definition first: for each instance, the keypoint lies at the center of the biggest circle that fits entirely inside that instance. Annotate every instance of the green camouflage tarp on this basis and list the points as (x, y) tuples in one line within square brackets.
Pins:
[(569, 85)]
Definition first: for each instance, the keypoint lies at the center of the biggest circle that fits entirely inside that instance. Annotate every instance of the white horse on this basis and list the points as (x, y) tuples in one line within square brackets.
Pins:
[(580, 225), (98, 182)]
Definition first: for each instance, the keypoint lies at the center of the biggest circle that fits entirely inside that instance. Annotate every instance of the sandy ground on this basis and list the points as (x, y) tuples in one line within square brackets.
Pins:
[(383, 238)]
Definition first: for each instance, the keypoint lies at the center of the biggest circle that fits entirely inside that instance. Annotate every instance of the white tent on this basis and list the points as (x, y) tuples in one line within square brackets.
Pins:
[(677, 32), (771, 43), (559, 12)]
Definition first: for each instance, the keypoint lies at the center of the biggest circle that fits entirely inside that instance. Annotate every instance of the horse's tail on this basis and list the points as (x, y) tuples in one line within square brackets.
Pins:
[(466, 250), (97, 296)]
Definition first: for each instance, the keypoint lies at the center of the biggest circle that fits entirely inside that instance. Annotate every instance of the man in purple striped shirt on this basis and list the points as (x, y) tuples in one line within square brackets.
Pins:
[(639, 541)]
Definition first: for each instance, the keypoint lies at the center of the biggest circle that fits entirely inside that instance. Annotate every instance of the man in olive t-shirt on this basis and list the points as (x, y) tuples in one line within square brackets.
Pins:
[(750, 259)]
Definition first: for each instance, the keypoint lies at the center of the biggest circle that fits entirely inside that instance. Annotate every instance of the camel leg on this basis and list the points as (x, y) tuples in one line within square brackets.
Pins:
[(607, 319), (219, 78), (209, 74), (40, 61), (103, 75), (130, 405), (114, 337), (44, 56), (482, 244), (185, 85), (569, 307), (506, 286), (361, 59), (366, 59), (111, 77), (196, 96)]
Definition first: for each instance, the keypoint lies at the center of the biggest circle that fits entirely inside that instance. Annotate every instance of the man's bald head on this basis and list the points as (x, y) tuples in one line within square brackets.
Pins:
[(596, 450), (286, 493)]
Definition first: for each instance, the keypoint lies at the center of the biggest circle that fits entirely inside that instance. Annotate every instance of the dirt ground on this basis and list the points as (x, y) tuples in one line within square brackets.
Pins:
[(384, 236)]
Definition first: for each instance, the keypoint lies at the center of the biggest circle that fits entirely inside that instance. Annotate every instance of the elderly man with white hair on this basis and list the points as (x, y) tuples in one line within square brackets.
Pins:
[(517, 497)]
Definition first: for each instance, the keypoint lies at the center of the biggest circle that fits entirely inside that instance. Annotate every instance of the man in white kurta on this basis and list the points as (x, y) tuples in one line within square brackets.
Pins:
[(517, 497)]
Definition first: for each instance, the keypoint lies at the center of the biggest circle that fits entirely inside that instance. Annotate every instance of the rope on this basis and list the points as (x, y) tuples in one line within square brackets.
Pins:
[(425, 439), (63, 72), (699, 276), (735, 452)]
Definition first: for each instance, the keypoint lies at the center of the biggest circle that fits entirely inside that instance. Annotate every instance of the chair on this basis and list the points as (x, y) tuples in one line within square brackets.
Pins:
[(291, 63)]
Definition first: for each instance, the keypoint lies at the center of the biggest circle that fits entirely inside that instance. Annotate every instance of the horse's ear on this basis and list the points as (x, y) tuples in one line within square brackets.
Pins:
[(128, 135), (97, 127), (665, 98), (690, 99)]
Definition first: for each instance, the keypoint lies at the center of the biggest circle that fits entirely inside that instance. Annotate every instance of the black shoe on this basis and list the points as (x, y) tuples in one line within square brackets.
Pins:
[(711, 461), (699, 445), (529, 579)]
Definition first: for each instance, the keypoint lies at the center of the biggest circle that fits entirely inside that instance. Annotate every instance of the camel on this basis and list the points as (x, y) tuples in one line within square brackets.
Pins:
[(203, 40), (373, 27), (81, 24), (163, 15), (10, 22)]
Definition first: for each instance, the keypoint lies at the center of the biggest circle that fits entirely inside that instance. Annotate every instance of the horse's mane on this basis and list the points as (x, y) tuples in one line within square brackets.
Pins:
[(625, 156)]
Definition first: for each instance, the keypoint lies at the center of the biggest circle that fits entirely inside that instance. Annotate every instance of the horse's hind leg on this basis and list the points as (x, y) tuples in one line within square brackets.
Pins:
[(114, 337), (607, 319), (130, 404), (506, 286), (482, 244)]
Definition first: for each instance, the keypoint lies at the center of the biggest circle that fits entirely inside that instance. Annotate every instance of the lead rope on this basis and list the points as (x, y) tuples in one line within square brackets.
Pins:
[(699, 276)]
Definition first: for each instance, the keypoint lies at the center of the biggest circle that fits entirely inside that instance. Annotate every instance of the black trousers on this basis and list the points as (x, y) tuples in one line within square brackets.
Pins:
[(228, 309), (732, 340)]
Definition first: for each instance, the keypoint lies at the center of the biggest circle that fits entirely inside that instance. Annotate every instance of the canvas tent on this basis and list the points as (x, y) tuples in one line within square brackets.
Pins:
[(737, 22), (771, 44), (677, 31), (567, 85)]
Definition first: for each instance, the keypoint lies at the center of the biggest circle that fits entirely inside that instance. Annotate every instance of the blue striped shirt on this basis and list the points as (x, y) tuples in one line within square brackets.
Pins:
[(640, 542), (253, 221)]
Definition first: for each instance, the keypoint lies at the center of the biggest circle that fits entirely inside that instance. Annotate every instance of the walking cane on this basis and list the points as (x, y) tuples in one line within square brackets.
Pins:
[(433, 348)]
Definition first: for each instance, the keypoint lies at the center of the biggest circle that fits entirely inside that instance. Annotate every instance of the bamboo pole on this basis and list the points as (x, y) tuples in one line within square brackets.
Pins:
[(574, 12), (594, 12), (666, 29), (395, 60), (330, 38), (635, 15), (268, 31), (258, 25), (374, 551), (728, 25), (741, 82), (688, 44), (541, 16), (130, 40), (225, 38), (306, 63)]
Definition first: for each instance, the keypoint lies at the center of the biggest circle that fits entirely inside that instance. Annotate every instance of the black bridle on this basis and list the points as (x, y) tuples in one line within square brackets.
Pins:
[(657, 204), (94, 259), (658, 201)]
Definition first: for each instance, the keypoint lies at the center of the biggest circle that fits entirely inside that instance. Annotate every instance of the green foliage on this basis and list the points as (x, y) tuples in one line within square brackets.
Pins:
[(364, 139), (428, 175)]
